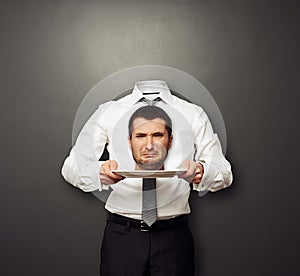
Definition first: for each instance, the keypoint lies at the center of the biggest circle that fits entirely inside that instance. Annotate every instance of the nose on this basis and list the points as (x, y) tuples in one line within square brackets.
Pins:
[(149, 142)]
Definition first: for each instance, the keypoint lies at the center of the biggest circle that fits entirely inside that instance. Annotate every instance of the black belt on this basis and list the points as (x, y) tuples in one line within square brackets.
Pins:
[(159, 225)]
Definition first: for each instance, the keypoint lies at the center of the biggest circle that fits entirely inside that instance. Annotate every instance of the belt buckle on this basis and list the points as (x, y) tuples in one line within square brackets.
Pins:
[(144, 227)]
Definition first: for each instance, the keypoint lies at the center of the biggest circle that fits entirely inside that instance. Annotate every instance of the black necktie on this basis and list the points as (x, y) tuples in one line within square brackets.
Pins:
[(149, 211)]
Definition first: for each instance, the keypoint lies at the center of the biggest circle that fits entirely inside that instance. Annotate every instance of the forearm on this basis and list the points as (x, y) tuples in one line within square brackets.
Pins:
[(81, 173), (217, 172), (216, 176), (81, 167)]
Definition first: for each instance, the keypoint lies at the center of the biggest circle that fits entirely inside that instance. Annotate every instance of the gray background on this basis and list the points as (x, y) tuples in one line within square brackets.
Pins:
[(244, 52)]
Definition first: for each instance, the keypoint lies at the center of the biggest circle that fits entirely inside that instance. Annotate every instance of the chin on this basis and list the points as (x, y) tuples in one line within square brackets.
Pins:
[(151, 166)]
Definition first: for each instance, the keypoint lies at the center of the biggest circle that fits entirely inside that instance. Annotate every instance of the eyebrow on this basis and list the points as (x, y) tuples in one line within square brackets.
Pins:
[(158, 133), (153, 134)]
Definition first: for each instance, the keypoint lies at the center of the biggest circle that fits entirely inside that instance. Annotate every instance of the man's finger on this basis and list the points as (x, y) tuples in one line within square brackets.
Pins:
[(188, 166), (193, 173), (106, 175)]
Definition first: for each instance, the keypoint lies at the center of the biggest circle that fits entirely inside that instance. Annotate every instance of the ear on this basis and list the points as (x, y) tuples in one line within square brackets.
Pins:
[(170, 142), (129, 142)]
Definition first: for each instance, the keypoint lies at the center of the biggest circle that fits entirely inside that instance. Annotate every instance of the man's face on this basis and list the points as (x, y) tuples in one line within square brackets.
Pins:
[(149, 143)]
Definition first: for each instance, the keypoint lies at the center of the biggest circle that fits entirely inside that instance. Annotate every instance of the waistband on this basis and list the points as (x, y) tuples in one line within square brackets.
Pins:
[(159, 225)]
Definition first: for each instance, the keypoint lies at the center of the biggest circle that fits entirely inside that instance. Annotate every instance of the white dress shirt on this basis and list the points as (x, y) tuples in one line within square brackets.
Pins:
[(193, 139)]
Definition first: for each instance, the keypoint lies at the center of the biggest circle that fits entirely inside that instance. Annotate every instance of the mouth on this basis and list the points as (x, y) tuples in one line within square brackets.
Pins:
[(149, 155)]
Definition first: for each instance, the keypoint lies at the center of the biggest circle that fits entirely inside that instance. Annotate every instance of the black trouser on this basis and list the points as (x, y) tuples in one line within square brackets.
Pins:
[(127, 251)]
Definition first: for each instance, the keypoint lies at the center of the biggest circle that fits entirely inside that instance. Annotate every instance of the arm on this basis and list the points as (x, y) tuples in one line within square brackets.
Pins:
[(217, 170), (209, 171), (81, 167)]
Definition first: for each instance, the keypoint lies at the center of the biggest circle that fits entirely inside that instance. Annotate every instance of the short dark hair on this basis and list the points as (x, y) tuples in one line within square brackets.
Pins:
[(150, 112)]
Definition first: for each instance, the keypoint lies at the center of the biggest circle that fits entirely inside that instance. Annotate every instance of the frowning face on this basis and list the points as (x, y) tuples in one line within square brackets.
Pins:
[(149, 143)]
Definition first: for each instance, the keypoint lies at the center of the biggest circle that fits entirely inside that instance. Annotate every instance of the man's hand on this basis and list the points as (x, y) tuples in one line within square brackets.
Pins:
[(194, 171), (107, 177)]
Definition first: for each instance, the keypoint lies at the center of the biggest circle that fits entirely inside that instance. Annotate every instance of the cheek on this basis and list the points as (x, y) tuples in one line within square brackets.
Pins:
[(163, 143), (137, 145), (161, 147), (136, 148)]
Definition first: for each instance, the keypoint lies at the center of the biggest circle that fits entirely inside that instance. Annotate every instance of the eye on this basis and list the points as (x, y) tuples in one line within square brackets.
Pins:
[(140, 135), (158, 134)]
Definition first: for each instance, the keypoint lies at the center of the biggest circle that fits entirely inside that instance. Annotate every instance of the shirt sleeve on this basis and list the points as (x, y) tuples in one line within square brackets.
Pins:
[(81, 167), (217, 170)]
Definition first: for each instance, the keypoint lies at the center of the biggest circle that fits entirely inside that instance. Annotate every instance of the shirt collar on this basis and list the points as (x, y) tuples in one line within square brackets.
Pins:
[(150, 89)]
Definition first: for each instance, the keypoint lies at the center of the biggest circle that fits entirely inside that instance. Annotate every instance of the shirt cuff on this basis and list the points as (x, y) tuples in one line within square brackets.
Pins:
[(209, 183)]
